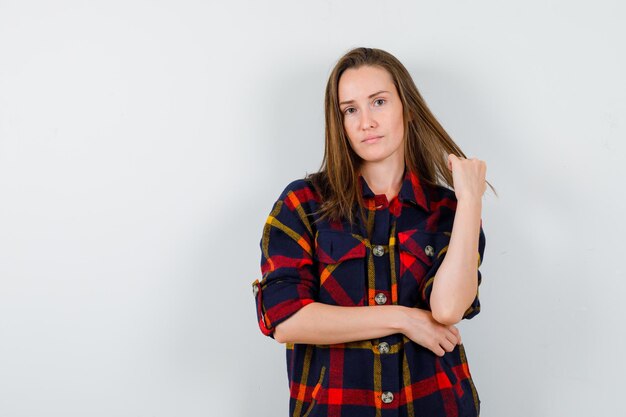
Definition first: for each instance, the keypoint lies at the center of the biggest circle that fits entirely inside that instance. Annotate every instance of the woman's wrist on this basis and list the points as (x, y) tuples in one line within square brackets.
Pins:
[(471, 201), (400, 318)]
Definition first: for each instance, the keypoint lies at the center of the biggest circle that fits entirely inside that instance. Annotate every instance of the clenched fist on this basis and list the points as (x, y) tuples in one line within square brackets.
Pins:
[(468, 176)]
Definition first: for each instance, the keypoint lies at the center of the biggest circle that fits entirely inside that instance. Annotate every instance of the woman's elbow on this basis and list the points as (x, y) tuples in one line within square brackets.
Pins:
[(291, 329), (279, 334), (446, 317)]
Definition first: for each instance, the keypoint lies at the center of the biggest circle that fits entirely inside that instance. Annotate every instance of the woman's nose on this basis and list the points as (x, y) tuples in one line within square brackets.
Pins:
[(367, 119)]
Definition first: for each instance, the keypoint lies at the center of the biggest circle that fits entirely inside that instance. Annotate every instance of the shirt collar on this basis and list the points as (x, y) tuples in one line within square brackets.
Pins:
[(412, 190)]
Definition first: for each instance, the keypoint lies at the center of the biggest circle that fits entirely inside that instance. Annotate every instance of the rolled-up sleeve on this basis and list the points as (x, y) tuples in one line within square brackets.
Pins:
[(288, 281)]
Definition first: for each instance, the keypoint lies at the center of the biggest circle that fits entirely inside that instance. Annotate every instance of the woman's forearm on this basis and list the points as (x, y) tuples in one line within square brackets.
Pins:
[(319, 323), (456, 282)]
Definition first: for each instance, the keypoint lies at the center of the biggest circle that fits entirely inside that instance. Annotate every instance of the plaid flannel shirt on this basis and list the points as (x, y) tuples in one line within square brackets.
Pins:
[(389, 257)]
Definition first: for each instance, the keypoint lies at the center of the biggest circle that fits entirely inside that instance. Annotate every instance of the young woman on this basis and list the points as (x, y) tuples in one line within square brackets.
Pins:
[(369, 263)]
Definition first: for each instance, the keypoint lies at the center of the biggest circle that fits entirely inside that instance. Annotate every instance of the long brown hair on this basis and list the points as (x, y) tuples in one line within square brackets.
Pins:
[(426, 143)]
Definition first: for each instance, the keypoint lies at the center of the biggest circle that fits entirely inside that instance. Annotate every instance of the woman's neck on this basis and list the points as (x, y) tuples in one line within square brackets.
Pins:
[(383, 178)]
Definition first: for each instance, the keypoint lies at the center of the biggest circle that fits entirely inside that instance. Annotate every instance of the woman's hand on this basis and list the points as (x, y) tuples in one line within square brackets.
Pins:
[(468, 176), (421, 328)]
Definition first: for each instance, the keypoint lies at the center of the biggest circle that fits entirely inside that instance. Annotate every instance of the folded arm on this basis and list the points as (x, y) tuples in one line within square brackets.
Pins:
[(455, 285), (319, 323)]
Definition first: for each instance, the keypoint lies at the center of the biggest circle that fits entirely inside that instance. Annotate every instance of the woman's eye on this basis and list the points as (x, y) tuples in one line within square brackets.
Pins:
[(347, 111), (379, 99)]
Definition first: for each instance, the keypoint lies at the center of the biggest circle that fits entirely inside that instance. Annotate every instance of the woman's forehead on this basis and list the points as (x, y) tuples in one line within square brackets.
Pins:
[(363, 82)]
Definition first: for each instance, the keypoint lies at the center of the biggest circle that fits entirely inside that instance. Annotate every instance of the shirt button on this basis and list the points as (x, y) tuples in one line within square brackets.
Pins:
[(383, 347), (380, 298), (430, 251), (378, 250), (387, 397)]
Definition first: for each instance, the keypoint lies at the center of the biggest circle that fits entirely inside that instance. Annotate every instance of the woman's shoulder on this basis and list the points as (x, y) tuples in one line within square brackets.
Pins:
[(442, 204), (300, 191), (440, 192), (296, 206)]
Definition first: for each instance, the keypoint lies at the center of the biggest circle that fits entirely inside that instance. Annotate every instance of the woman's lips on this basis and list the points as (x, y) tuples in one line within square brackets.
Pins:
[(372, 139)]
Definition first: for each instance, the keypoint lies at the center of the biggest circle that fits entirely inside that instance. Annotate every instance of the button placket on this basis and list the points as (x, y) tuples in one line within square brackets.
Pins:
[(381, 284)]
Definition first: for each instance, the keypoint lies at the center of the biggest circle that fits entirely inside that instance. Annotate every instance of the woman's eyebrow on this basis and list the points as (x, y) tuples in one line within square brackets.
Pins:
[(370, 96)]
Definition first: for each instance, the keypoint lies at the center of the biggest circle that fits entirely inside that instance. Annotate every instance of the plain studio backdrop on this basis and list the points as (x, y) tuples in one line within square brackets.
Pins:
[(143, 143)]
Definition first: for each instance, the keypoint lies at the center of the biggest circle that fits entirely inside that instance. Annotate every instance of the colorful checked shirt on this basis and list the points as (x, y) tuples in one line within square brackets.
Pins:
[(389, 256)]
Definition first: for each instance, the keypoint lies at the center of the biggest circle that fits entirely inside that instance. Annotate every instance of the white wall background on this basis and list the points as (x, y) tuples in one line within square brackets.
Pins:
[(142, 144)]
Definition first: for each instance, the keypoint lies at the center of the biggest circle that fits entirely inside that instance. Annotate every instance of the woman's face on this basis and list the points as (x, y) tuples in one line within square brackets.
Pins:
[(372, 113)]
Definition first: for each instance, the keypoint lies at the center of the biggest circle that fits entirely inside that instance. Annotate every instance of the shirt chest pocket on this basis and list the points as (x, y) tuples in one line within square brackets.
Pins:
[(421, 254), (341, 259)]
